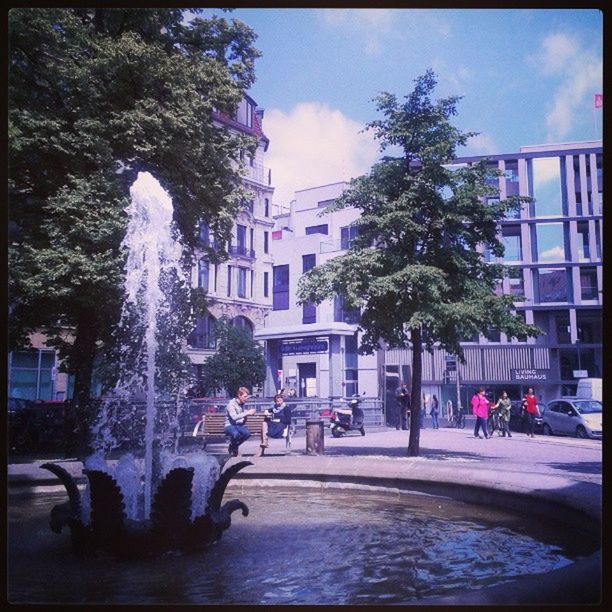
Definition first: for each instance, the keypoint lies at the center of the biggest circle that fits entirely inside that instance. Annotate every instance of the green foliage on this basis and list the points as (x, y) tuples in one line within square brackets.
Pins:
[(415, 263), (95, 96), (238, 362), (415, 269)]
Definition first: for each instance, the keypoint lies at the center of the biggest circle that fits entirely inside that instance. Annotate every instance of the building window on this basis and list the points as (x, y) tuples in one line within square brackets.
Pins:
[(280, 287), (582, 242), (588, 283), (266, 280), (515, 279), (243, 323), (317, 229), (203, 336), (552, 285), (203, 268), (546, 186), (309, 310), (348, 235), (266, 207), (242, 281), (562, 325), (550, 242), (244, 113), (589, 329), (266, 241), (325, 203), (241, 246), (342, 314), (229, 281), (32, 374), (511, 239), (203, 233), (512, 178)]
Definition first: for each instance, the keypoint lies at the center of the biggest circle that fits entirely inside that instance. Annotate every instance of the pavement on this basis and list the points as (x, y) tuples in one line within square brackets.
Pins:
[(542, 475)]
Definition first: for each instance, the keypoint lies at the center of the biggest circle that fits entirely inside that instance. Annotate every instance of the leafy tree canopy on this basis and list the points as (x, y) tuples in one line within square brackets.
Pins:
[(415, 263), (95, 96), (415, 267), (238, 362)]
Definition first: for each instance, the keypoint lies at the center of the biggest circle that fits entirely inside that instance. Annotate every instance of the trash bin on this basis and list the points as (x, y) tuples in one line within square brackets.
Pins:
[(314, 438)]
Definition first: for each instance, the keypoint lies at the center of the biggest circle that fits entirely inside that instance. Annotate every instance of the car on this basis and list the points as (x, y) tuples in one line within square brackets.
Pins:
[(573, 416), (35, 425), (517, 418)]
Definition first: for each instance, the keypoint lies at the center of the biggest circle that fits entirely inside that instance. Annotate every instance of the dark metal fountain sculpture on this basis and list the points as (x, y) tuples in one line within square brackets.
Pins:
[(169, 527)]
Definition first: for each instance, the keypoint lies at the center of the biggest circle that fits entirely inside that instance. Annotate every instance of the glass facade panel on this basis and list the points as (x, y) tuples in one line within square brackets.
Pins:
[(550, 242), (588, 283), (552, 285), (31, 374), (546, 173)]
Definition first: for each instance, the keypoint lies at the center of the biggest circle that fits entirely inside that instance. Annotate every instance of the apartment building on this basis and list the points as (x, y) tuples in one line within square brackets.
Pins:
[(239, 288), (313, 349)]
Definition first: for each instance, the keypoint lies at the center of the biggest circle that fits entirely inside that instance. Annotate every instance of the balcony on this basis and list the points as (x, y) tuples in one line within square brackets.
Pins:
[(258, 173), (241, 251)]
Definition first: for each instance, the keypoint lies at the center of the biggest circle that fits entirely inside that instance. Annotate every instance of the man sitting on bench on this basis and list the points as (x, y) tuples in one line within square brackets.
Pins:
[(235, 416), (277, 421)]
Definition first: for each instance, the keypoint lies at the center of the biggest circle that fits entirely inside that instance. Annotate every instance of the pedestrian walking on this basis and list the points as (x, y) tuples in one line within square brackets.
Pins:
[(435, 411), (530, 410), (503, 407), (235, 418), (402, 396), (480, 409)]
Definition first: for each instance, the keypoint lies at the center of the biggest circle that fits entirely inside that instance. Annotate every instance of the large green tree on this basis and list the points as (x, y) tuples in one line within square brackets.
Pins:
[(95, 96), (238, 362), (414, 268)]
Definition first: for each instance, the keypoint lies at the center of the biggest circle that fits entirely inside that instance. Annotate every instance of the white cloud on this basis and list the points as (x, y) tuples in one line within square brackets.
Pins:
[(555, 254), (315, 145), (579, 71), (480, 145), (371, 24)]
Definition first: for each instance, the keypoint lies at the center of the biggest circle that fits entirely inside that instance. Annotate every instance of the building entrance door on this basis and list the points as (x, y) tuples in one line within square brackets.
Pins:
[(307, 379)]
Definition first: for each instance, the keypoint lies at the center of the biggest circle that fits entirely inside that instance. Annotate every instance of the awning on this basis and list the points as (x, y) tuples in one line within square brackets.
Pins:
[(286, 332)]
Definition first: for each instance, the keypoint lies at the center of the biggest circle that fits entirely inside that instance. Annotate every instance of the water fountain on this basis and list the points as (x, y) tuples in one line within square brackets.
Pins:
[(118, 511)]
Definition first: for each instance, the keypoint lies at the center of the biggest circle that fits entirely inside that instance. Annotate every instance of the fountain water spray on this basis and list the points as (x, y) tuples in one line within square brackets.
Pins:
[(186, 513)]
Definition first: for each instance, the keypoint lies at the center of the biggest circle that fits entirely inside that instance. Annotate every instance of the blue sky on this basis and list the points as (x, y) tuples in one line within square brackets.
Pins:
[(528, 76)]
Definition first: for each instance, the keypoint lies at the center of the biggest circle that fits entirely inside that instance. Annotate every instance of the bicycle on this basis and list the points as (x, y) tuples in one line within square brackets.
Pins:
[(457, 420), (494, 424)]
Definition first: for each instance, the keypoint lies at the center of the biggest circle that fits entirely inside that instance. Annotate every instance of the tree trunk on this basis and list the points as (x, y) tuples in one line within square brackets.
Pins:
[(415, 397), (82, 363)]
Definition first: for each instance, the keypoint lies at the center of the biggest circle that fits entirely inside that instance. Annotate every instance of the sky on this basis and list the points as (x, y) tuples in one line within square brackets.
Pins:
[(527, 76)]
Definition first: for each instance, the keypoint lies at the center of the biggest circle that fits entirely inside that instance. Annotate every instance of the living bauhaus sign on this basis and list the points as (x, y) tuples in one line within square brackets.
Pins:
[(529, 375)]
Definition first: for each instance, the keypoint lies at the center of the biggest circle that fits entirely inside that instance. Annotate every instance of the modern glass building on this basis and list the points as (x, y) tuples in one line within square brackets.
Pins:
[(554, 248)]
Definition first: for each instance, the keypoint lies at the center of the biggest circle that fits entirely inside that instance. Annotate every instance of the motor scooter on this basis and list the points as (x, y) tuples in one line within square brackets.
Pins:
[(349, 418)]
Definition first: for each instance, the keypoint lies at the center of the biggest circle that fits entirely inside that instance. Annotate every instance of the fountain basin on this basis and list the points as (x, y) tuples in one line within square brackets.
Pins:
[(392, 482)]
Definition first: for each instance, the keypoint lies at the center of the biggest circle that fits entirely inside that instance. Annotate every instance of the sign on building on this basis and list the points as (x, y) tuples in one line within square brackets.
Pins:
[(529, 375), (305, 346)]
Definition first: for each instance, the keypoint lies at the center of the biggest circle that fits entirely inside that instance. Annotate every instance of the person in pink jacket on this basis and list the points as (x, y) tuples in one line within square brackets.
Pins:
[(480, 409)]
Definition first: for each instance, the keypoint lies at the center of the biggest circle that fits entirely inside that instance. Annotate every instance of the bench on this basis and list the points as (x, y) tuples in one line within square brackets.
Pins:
[(213, 426)]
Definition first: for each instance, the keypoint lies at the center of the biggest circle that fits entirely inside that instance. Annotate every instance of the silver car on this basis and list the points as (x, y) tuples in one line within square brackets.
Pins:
[(573, 416)]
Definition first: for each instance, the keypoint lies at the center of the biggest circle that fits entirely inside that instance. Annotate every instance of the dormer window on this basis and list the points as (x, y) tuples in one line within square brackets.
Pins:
[(244, 113)]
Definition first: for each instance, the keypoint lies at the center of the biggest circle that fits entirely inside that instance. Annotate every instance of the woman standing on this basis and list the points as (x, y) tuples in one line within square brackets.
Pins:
[(503, 406), (435, 410), (480, 409)]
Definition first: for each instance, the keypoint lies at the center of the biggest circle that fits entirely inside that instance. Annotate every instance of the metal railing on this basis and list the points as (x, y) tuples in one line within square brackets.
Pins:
[(302, 409)]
